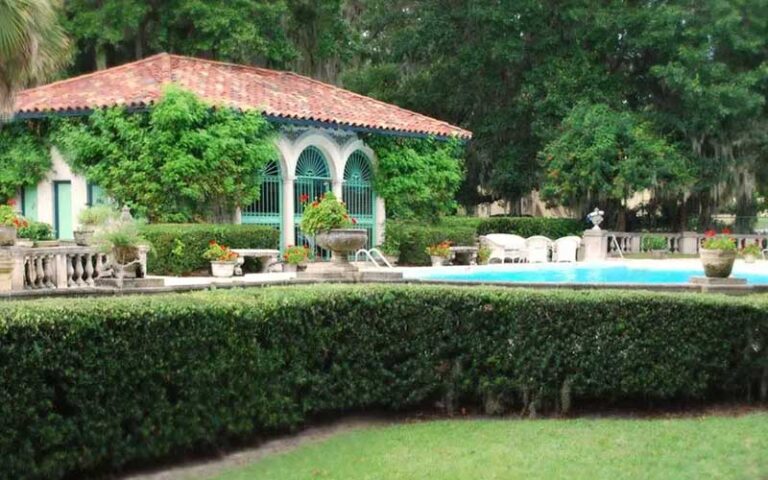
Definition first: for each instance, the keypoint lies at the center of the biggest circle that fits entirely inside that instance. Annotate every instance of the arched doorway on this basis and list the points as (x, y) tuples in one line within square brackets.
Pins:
[(268, 209), (313, 179), (358, 193)]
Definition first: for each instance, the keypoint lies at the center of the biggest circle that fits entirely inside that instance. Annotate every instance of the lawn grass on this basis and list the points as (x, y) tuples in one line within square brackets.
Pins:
[(689, 448)]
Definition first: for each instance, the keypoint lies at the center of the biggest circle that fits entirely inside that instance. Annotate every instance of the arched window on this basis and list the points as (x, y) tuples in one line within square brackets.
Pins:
[(358, 193), (268, 209), (313, 178)]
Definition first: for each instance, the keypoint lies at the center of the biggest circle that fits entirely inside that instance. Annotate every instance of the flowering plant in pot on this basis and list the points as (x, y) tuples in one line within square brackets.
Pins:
[(295, 257), (92, 219), (35, 233), (329, 222), (751, 252), (223, 259), (717, 253), (439, 253), (122, 240), (10, 223)]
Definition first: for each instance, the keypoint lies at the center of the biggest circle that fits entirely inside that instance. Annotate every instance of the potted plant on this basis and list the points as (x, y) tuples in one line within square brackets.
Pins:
[(34, 233), (223, 259), (391, 251), (656, 244), (10, 222), (717, 253), (329, 222), (295, 258), (123, 240), (439, 253), (91, 219), (751, 252)]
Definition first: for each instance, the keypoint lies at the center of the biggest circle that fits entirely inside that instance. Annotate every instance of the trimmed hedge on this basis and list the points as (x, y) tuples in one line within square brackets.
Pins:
[(530, 226), (413, 238), (177, 249), (97, 384)]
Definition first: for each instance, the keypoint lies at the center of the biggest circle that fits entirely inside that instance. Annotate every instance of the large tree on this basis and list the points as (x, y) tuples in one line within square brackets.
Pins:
[(33, 46)]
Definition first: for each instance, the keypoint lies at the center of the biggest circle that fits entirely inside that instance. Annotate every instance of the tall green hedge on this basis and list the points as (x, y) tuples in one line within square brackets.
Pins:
[(95, 384), (177, 249), (412, 238), (530, 226)]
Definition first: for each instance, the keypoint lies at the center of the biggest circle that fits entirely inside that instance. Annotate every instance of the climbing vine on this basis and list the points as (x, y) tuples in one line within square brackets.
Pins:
[(418, 178), (24, 156), (180, 161)]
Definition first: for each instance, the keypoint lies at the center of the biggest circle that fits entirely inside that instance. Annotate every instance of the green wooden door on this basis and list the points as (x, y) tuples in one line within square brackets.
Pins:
[(29, 202), (62, 208), (268, 209), (358, 194), (313, 179)]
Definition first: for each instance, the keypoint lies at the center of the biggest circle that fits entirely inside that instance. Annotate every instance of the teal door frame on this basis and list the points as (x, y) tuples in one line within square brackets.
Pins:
[(57, 220)]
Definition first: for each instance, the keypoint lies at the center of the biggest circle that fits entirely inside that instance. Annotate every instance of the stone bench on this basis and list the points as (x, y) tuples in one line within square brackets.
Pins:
[(267, 257)]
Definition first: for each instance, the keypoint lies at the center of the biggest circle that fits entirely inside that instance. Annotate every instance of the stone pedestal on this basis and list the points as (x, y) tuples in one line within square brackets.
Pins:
[(329, 271), (6, 272), (595, 245), (733, 286)]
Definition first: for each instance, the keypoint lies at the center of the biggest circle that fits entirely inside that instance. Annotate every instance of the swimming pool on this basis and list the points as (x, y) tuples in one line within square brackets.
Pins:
[(644, 273)]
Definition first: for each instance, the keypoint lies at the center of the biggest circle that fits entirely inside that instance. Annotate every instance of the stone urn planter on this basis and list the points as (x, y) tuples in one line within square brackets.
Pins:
[(224, 269), (749, 258), (341, 242), (25, 242), (7, 236), (128, 257), (717, 263), (83, 237), (438, 261), (659, 254)]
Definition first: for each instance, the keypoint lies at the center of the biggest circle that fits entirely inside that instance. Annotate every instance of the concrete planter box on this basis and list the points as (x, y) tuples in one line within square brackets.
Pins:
[(7, 236), (341, 242), (84, 238), (438, 261), (223, 269), (717, 263)]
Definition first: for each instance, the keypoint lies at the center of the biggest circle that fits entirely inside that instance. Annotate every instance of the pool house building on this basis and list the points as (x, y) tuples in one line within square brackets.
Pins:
[(320, 143)]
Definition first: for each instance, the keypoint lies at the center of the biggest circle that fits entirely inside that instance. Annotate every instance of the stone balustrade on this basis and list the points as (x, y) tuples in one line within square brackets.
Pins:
[(601, 244), (55, 268)]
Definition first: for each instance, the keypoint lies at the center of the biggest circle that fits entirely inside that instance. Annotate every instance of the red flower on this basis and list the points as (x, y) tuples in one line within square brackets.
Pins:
[(304, 198), (315, 203), (12, 202), (354, 221), (726, 231), (710, 233), (212, 242)]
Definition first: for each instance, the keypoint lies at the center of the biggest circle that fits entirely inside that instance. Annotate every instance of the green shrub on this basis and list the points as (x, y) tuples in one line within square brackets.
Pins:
[(413, 238), (177, 249), (530, 226), (38, 231), (94, 384), (653, 242)]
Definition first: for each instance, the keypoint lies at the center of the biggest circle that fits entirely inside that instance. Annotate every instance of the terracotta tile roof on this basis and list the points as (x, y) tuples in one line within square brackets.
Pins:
[(279, 94)]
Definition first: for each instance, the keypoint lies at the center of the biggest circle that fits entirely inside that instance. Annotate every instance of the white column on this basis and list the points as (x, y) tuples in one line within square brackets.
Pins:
[(288, 233), (381, 220), (337, 190)]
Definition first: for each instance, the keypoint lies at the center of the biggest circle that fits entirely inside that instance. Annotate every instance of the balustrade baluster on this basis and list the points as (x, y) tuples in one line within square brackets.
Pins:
[(40, 282), (89, 269), (79, 270), (31, 272), (70, 271), (48, 269)]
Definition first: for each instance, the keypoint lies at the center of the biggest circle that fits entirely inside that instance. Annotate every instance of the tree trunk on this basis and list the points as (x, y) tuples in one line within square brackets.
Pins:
[(101, 57)]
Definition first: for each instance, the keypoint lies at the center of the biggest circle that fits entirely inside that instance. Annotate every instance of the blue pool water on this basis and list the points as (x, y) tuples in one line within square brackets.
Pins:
[(579, 273)]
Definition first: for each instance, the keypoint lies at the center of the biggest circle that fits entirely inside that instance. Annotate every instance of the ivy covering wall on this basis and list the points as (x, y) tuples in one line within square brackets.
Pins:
[(24, 157), (181, 161)]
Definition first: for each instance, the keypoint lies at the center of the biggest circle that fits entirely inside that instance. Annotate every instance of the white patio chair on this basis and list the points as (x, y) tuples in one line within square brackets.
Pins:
[(504, 247), (538, 249), (566, 248)]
